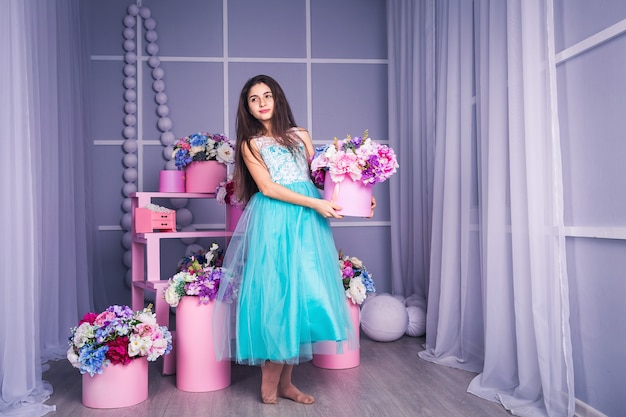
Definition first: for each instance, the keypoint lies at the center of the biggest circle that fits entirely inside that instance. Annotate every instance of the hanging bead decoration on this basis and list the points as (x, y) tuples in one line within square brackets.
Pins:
[(164, 124)]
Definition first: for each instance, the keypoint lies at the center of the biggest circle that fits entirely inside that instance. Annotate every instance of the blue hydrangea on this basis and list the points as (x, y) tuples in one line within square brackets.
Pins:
[(92, 360)]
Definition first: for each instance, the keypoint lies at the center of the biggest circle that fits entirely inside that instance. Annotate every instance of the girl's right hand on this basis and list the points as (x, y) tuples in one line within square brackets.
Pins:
[(327, 209)]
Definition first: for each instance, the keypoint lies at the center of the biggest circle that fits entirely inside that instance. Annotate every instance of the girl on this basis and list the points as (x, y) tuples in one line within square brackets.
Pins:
[(282, 291)]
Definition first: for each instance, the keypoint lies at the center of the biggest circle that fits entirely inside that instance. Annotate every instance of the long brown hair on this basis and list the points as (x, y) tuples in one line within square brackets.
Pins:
[(248, 127)]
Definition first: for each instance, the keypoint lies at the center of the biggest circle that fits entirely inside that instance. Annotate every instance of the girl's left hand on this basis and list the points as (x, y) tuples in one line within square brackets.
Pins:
[(373, 207)]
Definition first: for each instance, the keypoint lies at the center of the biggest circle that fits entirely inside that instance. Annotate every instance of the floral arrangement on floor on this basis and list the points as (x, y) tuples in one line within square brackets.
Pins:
[(360, 158), (203, 146), (116, 336), (199, 274), (225, 193), (357, 282)]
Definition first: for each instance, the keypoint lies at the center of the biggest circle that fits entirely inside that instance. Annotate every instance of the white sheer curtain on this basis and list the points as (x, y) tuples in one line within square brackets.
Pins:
[(497, 286), (45, 177), (411, 131)]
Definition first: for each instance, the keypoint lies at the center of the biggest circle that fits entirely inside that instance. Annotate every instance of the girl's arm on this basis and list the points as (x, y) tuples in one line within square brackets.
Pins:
[(270, 189)]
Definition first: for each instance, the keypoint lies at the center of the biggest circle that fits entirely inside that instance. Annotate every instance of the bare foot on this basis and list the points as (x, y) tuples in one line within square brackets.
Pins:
[(270, 375), (292, 393)]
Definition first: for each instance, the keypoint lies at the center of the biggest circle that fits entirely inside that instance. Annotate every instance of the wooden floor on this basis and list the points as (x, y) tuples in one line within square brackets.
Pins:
[(392, 381)]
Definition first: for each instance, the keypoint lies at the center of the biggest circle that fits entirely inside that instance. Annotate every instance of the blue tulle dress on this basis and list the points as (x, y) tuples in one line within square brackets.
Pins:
[(282, 289)]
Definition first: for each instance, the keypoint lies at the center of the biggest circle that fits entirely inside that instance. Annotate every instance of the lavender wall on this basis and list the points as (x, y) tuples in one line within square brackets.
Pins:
[(330, 57)]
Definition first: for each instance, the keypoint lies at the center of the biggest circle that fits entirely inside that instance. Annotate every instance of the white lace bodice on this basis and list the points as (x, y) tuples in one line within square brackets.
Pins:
[(284, 166)]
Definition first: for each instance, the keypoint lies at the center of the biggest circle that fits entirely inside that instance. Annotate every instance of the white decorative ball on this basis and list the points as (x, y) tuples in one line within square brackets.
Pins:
[(127, 204), (130, 70), (128, 189), (164, 124), (130, 174), (129, 132), (158, 73), (179, 202), (128, 33), (130, 120), (130, 82), (130, 107), (149, 23), (191, 249), (167, 152), (384, 318), (126, 222), (188, 240), (416, 300), (158, 86), (130, 145), (163, 110), (129, 45), (130, 57), (130, 160), (144, 12), (129, 21), (399, 298), (171, 165), (128, 279), (184, 217), (133, 9), (152, 48), (161, 98), (151, 36), (127, 240), (130, 95), (154, 61), (417, 322), (128, 259)]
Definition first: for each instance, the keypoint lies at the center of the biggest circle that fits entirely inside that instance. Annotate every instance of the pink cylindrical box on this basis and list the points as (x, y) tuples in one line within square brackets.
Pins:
[(197, 369), (204, 176), (171, 181), (118, 385), (325, 353), (354, 197)]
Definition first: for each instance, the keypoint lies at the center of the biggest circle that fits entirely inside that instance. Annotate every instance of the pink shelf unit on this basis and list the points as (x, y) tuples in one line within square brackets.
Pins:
[(146, 252)]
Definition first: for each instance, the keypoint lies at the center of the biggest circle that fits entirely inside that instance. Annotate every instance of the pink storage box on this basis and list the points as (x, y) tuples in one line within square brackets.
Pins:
[(171, 181), (147, 221)]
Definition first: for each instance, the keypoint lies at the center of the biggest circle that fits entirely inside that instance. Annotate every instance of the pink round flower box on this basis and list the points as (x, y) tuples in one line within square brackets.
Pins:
[(117, 386), (354, 197), (325, 353), (204, 176), (171, 181), (197, 368)]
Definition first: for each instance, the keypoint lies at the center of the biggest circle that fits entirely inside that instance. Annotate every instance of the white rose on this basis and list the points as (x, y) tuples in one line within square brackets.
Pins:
[(356, 292), (221, 195), (356, 262), (145, 317), (225, 154), (171, 297), (134, 345)]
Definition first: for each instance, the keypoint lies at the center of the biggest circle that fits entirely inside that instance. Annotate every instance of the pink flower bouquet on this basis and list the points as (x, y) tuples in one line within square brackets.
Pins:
[(116, 336), (359, 158)]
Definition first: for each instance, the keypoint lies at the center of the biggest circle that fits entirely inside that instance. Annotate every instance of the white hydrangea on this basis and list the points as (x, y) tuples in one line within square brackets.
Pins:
[(84, 332), (73, 358), (171, 297)]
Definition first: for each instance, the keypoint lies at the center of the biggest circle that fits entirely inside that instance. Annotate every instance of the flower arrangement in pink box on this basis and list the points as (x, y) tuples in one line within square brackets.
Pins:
[(357, 281), (358, 158), (199, 274), (203, 146), (116, 336)]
